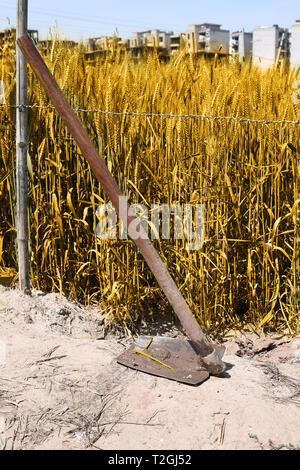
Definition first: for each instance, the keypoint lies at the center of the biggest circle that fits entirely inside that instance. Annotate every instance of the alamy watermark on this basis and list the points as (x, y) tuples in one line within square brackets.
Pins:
[(296, 94), (2, 353), (154, 222)]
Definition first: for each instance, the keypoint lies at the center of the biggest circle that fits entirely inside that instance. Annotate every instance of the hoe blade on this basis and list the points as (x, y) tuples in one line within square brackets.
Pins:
[(171, 358)]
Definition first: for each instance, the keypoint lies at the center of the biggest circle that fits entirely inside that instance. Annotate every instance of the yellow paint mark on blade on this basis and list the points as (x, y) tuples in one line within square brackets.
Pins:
[(153, 358), (146, 347)]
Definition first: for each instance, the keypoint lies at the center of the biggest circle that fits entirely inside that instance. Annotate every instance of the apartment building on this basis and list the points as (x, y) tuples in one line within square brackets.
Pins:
[(151, 38), (241, 45), (207, 37), (102, 43), (295, 44), (177, 42), (271, 45), (8, 36)]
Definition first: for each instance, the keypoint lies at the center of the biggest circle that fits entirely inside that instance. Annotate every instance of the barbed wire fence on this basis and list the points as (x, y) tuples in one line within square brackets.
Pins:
[(162, 115)]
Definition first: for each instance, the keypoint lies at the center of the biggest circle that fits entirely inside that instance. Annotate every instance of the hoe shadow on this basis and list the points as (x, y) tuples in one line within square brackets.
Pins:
[(225, 374)]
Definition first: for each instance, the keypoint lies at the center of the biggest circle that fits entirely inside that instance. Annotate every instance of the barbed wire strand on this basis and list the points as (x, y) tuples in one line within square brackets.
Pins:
[(162, 115)]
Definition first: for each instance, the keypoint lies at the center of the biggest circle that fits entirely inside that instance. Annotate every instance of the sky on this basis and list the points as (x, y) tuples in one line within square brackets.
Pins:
[(77, 19)]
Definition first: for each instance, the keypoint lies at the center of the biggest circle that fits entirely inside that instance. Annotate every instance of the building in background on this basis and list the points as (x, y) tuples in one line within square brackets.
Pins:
[(8, 36), (177, 42), (151, 38), (271, 45), (103, 43), (268, 46), (295, 44), (207, 37), (241, 45)]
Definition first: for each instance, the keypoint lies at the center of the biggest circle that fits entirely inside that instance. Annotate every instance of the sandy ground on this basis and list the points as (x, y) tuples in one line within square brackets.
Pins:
[(61, 388)]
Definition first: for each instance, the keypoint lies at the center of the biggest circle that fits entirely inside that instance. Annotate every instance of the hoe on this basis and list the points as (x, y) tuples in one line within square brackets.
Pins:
[(188, 361)]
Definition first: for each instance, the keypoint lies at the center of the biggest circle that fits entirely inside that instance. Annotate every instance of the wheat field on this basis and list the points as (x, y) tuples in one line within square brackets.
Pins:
[(245, 174)]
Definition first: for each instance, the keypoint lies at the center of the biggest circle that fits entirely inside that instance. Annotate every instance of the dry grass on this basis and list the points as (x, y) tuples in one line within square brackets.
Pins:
[(246, 175)]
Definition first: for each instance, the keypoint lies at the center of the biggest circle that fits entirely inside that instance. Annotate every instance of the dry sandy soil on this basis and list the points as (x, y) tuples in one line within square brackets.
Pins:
[(61, 387)]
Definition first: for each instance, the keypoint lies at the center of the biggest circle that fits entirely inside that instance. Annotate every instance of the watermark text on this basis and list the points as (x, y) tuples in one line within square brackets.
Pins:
[(160, 221)]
